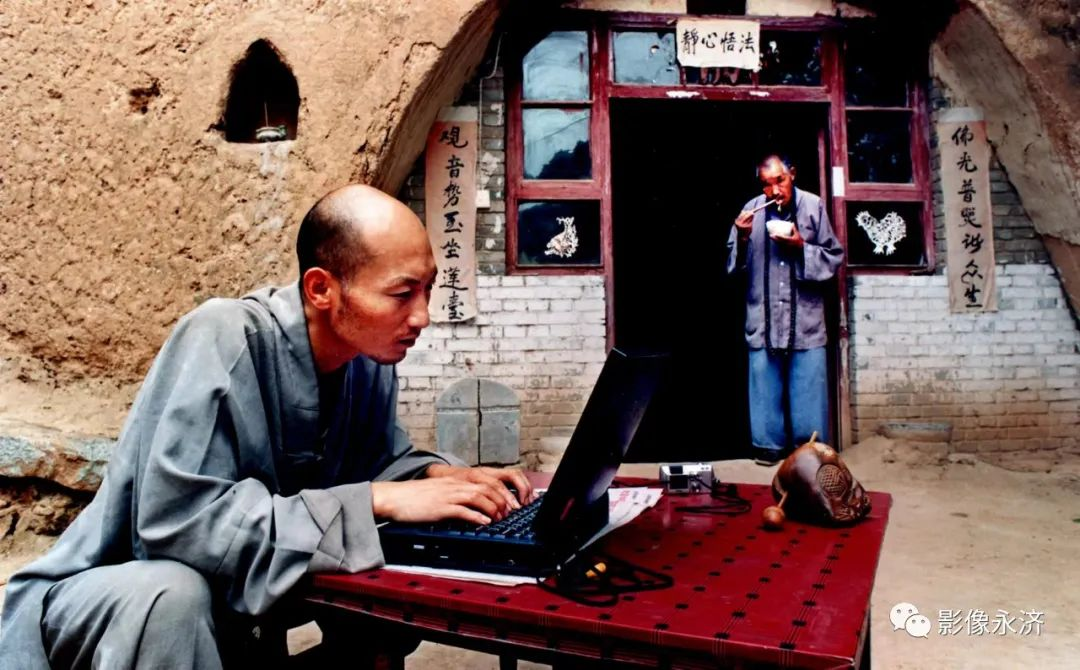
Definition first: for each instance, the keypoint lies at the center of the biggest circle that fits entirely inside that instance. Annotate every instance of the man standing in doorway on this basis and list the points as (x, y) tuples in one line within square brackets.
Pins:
[(784, 243)]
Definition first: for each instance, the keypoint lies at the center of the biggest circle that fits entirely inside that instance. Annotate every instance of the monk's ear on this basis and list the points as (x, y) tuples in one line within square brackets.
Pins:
[(321, 289)]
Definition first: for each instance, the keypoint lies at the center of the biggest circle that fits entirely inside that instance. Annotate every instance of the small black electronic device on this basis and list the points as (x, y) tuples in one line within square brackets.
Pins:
[(686, 477)]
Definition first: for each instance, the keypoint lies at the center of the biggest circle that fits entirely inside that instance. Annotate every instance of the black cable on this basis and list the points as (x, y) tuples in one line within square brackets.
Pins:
[(597, 579), (730, 502)]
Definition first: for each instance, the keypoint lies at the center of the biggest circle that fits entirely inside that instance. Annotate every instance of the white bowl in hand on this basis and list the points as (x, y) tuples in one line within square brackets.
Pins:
[(779, 228)]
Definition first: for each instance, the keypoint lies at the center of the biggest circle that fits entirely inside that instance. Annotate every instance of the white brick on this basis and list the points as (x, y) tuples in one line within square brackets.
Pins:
[(516, 293), (504, 356), (937, 293), (433, 357), (471, 344), (438, 332), (468, 358), (590, 355), (590, 330), (406, 370), (559, 356), (512, 318), (557, 292), (1023, 269), (518, 344), (567, 317), (418, 382)]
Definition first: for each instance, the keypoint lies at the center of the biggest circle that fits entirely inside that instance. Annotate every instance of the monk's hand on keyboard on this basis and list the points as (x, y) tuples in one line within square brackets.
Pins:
[(506, 480), (437, 498)]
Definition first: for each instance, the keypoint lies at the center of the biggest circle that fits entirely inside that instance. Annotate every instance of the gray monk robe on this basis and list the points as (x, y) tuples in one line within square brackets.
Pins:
[(223, 465)]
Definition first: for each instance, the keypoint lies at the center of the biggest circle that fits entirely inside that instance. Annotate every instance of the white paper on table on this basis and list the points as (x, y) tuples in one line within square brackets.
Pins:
[(464, 575), (624, 505)]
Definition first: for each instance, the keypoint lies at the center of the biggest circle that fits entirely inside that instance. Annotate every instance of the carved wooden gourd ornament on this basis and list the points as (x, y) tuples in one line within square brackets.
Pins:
[(814, 485)]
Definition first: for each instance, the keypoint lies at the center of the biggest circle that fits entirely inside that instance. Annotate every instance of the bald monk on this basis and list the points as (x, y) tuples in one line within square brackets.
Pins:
[(263, 445)]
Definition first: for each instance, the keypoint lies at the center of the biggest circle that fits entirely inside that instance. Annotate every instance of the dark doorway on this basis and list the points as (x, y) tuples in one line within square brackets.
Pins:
[(681, 172)]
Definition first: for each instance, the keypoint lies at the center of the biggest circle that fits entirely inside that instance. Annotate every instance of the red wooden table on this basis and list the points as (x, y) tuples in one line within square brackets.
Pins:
[(742, 596)]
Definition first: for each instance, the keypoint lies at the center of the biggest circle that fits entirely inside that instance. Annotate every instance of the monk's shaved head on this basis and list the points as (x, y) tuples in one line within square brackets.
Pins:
[(366, 274), (334, 233)]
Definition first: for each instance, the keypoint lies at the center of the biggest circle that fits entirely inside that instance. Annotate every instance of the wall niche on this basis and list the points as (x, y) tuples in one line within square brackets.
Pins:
[(264, 100)]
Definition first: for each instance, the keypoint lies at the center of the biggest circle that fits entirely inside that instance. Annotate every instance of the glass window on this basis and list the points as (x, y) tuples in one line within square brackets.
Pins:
[(872, 74), (790, 59), (560, 232), (557, 68), (879, 147), (556, 143), (885, 233), (645, 58)]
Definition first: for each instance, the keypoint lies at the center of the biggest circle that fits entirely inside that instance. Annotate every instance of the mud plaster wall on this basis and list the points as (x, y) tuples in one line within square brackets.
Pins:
[(121, 208)]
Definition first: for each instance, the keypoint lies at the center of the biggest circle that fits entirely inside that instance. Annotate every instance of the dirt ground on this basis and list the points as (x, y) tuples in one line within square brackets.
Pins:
[(963, 535)]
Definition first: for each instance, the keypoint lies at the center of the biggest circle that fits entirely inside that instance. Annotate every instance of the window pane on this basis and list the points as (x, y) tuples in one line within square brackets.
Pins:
[(645, 58), (872, 73), (556, 143), (791, 59), (557, 68), (561, 232), (879, 147), (885, 233)]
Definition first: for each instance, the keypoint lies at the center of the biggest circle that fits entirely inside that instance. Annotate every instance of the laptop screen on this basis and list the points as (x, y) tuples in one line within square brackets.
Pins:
[(607, 425)]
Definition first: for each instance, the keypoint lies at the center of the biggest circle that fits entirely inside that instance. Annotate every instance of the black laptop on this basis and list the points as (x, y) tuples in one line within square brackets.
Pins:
[(541, 536)]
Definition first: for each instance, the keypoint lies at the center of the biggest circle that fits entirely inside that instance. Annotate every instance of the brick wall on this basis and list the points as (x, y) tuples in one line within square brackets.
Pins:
[(1005, 381), (544, 337)]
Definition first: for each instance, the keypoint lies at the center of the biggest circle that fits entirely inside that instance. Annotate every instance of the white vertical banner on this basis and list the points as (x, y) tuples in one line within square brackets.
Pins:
[(450, 212), (969, 222)]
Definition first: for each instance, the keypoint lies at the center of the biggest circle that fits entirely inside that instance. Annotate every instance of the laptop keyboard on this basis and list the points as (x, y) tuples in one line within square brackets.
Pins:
[(516, 525)]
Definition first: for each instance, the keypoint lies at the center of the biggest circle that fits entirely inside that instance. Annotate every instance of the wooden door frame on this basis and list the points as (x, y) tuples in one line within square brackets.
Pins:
[(832, 154)]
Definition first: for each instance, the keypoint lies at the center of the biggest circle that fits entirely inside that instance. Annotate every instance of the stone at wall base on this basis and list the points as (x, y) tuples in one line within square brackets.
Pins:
[(76, 462), (916, 431)]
